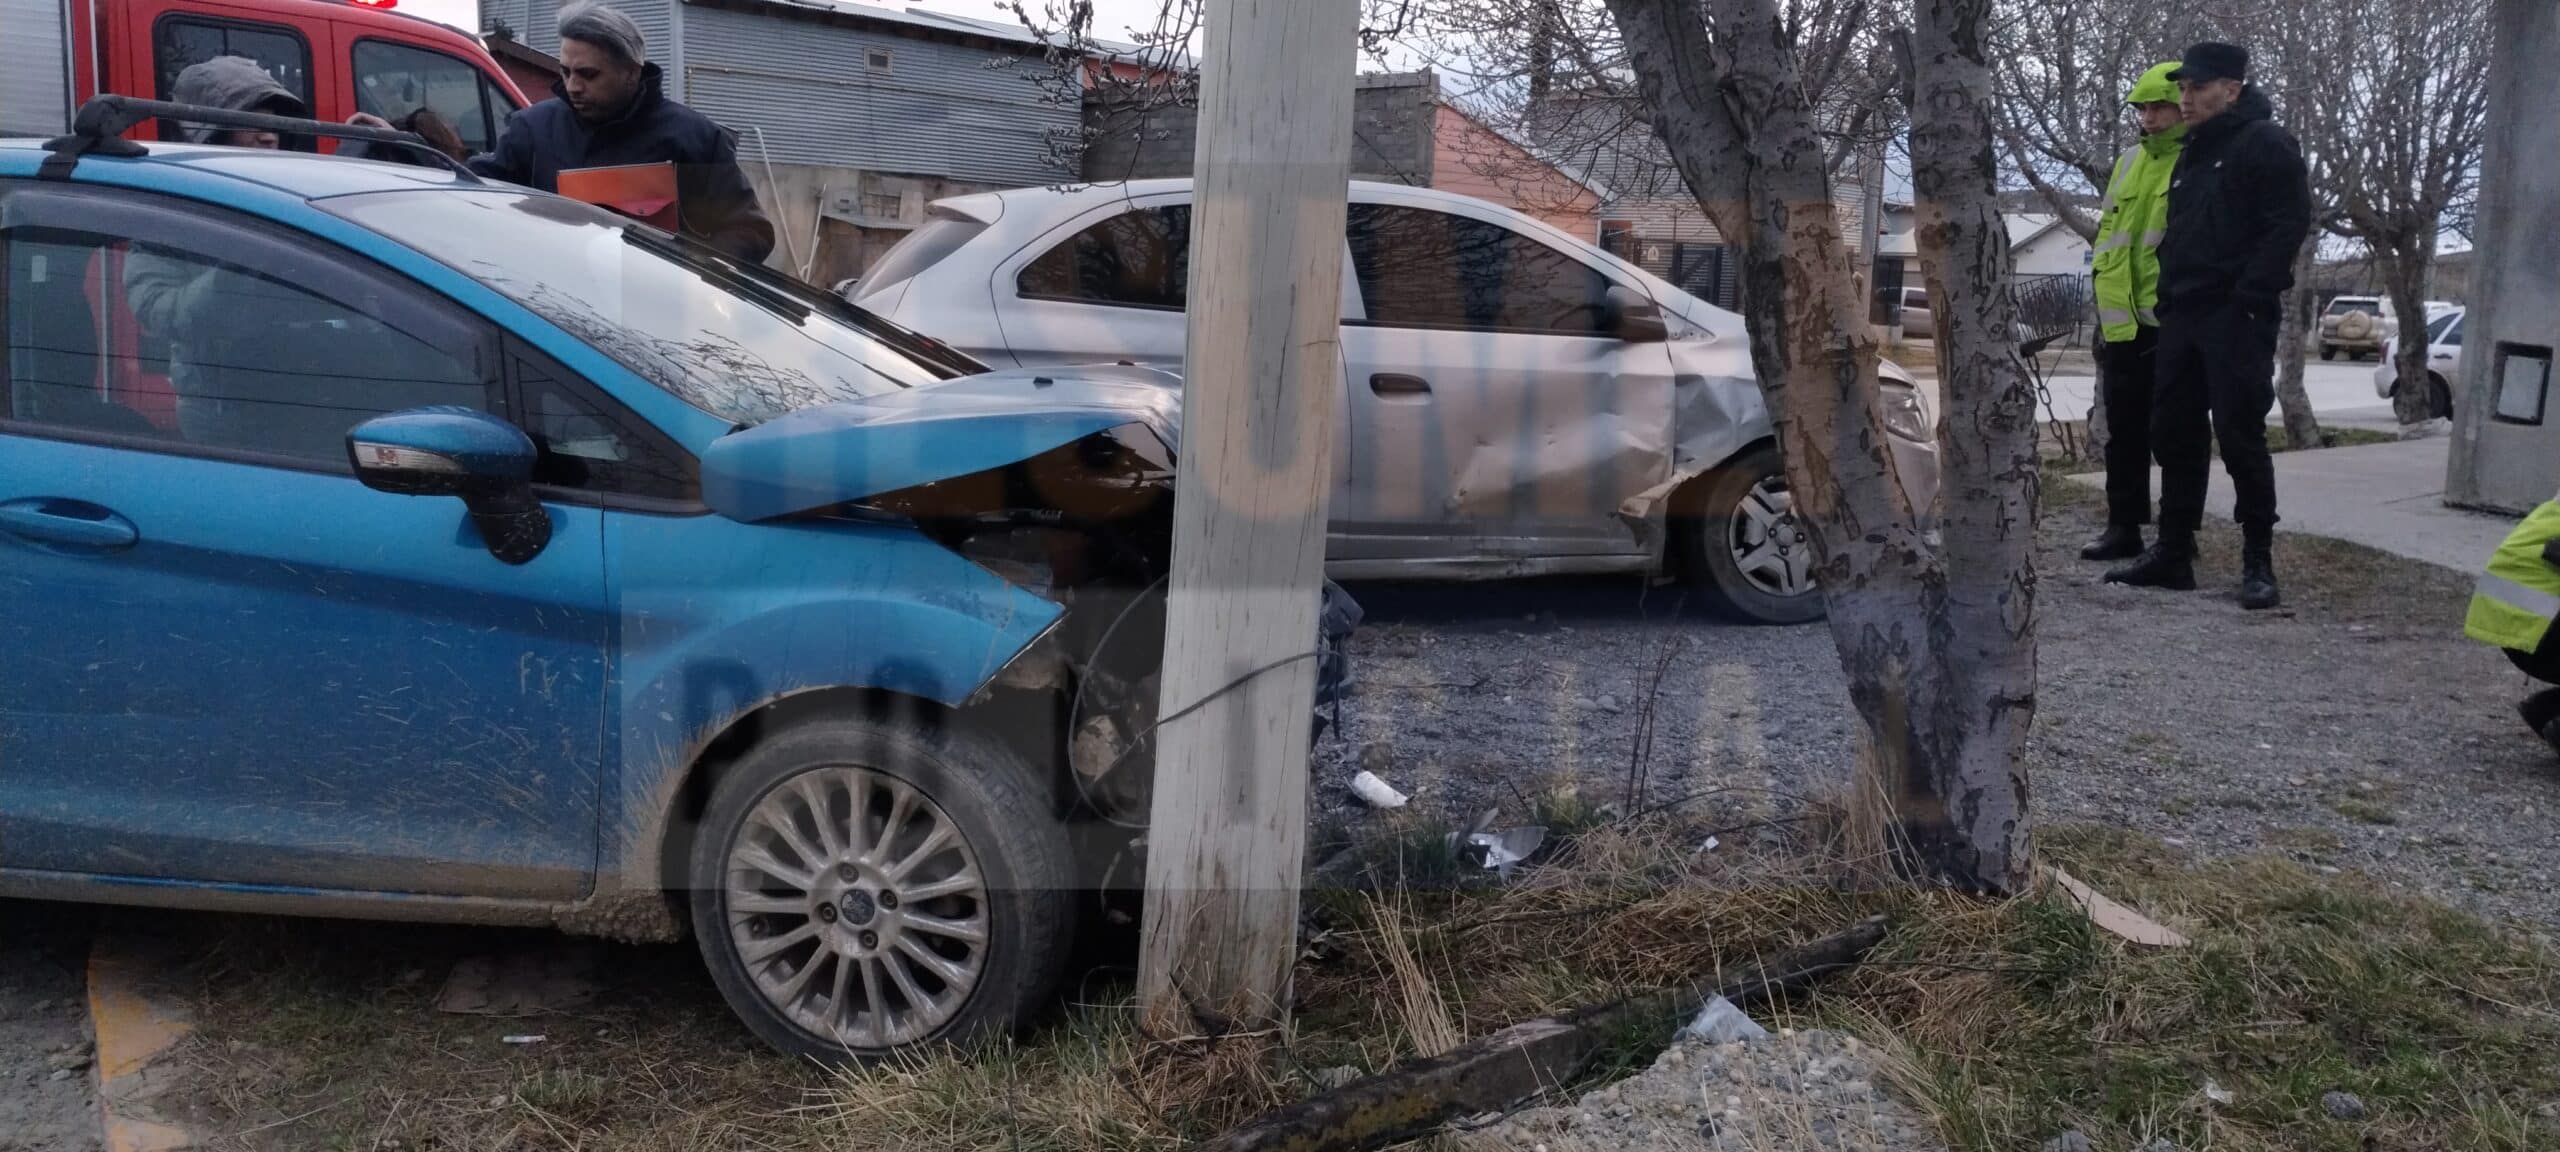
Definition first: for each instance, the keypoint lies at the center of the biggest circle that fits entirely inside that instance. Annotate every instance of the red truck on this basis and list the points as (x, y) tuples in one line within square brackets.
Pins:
[(341, 56)]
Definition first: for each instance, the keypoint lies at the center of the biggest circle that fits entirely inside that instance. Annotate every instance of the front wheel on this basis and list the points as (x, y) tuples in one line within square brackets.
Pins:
[(2328, 351), (864, 886), (2439, 398), (1743, 547)]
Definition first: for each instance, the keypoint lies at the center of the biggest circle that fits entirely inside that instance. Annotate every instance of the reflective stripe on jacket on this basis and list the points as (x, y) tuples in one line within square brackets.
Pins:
[(2125, 265), (2514, 602)]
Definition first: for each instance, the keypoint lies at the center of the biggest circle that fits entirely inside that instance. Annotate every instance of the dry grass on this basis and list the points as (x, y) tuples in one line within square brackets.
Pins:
[(2007, 1020)]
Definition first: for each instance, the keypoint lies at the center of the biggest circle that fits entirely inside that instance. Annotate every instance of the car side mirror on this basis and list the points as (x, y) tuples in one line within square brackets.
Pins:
[(1635, 318), (461, 452)]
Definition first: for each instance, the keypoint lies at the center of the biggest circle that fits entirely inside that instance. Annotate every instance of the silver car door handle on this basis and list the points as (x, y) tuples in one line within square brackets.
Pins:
[(1399, 384)]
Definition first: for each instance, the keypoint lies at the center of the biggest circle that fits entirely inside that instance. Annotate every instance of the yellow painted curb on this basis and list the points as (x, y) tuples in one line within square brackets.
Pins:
[(133, 1031)]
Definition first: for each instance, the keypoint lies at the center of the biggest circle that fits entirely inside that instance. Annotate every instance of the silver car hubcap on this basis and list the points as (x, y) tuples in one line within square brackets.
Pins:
[(1770, 546), (857, 907)]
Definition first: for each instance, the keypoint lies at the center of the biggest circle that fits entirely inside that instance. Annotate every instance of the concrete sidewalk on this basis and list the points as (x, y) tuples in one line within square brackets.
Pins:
[(2385, 496)]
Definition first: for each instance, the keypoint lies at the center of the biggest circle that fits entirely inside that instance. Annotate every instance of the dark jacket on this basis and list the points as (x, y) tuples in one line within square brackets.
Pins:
[(711, 192), (2239, 208)]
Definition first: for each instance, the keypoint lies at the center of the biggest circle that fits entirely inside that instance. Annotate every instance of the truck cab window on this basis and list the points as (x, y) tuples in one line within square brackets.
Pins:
[(395, 80), (179, 42)]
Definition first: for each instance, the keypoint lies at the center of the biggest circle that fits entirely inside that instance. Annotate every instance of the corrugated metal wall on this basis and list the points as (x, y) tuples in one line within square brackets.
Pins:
[(942, 109), (35, 96), (537, 22)]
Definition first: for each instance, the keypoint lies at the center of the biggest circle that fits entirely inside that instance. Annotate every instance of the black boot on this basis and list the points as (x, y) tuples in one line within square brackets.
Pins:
[(2258, 590), (2118, 542), (2170, 564)]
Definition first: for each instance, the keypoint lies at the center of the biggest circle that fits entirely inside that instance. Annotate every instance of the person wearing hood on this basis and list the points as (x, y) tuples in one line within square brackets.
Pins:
[(610, 109), (2239, 209), (2126, 271), (170, 295)]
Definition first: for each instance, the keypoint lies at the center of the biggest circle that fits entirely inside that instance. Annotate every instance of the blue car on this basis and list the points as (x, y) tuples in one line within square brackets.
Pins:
[(379, 542)]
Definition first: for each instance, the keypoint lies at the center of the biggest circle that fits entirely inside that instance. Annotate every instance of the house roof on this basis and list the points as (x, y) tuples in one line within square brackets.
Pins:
[(2027, 227)]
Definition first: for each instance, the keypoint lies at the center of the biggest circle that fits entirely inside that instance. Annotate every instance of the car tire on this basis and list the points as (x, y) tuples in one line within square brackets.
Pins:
[(2328, 351), (1001, 834), (2439, 398), (1743, 508)]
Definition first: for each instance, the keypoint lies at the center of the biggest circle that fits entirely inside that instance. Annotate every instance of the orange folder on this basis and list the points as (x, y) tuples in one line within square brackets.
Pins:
[(642, 191)]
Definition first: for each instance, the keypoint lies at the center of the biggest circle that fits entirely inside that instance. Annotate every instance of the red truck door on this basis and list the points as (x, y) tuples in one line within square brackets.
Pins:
[(392, 71), (157, 39)]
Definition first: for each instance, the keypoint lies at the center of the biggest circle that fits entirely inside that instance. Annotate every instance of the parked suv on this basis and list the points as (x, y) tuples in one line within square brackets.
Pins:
[(1514, 401)]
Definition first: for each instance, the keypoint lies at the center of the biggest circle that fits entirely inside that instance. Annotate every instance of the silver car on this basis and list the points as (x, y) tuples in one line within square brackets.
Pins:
[(1514, 401), (2444, 363)]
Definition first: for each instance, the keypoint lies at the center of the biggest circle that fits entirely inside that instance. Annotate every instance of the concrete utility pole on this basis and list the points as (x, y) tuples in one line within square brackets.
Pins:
[(1229, 824)]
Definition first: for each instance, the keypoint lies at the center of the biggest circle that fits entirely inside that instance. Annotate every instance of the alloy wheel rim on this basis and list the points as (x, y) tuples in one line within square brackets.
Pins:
[(857, 907)]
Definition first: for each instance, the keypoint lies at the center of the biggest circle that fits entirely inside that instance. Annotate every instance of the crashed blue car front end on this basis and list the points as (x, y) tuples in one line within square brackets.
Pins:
[(451, 551)]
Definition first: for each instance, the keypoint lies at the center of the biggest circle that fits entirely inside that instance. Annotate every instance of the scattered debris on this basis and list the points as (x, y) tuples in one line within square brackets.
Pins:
[(1710, 845), (1609, 704), (526, 1038), (2217, 1093), (1376, 793), (1336, 1076), (524, 984), (60, 1074), (2342, 1106), (70, 1059), (2158, 1144), (1722, 1023), (1497, 851), (2074, 1140), (1498, 1071), (2114, 917)]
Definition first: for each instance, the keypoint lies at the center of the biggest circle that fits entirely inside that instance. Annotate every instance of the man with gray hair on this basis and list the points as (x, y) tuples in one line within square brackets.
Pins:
[(609, 110)]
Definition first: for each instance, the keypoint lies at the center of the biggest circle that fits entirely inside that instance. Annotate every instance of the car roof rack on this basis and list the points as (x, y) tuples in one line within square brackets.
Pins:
[(99, 131)]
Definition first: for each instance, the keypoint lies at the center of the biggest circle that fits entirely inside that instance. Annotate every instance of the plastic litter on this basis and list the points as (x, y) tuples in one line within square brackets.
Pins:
[(1376, 793), (1501, 850), (529, 1038), (2217, 1093), (1722, 1023)]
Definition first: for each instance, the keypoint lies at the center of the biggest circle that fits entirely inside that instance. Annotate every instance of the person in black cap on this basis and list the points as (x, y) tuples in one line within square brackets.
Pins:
[(2239, 209)]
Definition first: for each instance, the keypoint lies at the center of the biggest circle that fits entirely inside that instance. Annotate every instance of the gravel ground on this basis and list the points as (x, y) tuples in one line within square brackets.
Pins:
[(1806, 1092), (47, 1097), (2354, 729)]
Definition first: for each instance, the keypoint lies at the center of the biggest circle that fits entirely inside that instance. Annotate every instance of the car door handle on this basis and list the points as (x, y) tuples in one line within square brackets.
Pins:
[(72, 523), (1398, 384)]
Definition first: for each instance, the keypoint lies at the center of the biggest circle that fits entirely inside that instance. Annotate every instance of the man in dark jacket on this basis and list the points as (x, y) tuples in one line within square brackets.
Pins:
[(2239, 208), (609, 110)]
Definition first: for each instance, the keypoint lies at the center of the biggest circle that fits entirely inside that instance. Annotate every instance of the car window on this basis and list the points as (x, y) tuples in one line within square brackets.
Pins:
[(180, 42), (115, 336), (734, 340), (2345, 304), (1139, 259), (395, 80), (1423, 269), (1916, 299), (589, 446), (2446, 329)]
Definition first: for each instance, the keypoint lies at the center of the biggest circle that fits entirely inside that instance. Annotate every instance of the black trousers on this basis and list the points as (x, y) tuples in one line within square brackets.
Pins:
[(2124, 386), (2214, 383)]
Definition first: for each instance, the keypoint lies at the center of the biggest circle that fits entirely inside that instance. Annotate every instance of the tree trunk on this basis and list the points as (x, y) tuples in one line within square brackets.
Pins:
[(2404, 269), (1932, 657), (2301, 305), (1985, 612)]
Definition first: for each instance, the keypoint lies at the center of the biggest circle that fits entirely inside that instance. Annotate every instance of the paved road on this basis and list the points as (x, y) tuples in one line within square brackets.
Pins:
[(2341, 393)]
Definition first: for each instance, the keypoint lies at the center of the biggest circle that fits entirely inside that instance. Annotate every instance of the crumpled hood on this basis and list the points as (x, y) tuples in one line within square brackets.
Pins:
[(822, 456)]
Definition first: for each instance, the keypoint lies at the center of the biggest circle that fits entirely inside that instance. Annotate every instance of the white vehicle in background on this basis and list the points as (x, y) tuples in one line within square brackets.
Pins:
[(2444, 363), (1515, 401)]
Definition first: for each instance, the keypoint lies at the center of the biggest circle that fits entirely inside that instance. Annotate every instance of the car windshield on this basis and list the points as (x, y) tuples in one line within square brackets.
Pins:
[(2345, 304), (738, 341)]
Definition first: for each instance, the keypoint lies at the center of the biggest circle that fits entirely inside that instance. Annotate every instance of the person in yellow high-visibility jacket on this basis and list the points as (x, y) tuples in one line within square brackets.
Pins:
[(2125, 268), (2513, 607)]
